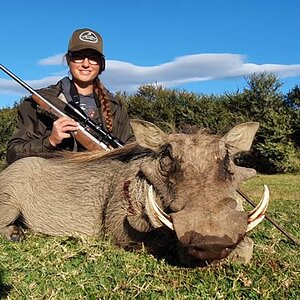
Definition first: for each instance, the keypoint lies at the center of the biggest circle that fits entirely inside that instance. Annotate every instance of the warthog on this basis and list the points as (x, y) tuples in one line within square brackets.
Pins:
[(174, 193)]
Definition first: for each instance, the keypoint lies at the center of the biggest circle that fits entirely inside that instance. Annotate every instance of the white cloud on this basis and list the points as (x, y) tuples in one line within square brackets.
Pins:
[(126, 76), (57, 59)]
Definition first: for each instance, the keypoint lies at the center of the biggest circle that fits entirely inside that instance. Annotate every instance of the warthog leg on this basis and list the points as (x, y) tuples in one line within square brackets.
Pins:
[(8, 214)]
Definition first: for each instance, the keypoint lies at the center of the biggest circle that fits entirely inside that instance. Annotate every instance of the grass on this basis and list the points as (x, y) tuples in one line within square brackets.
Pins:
[(67, 268)]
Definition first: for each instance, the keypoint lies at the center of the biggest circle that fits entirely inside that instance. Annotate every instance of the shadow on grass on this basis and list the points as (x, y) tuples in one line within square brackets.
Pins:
[(4, 289)]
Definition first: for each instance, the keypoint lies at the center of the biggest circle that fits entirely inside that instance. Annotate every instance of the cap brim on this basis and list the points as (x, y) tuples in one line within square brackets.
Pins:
[(78, 48)]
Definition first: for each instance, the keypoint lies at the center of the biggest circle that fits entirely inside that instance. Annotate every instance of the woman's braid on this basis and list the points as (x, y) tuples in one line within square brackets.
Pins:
[(104, 103)]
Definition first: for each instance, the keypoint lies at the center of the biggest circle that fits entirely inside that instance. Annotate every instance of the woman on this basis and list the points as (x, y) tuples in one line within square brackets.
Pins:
[(38, 133)]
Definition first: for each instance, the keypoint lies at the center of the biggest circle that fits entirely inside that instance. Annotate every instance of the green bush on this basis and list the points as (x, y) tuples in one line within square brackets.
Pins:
[(8, 121)]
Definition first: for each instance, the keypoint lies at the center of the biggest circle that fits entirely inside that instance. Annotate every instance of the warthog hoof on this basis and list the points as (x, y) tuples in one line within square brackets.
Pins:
[(13, 233)]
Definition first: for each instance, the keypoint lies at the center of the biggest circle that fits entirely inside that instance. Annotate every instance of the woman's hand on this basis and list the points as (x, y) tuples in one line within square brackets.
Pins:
[(61, 130)]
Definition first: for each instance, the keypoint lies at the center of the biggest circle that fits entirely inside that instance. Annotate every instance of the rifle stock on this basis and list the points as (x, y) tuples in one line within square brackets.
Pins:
[(88, 141)]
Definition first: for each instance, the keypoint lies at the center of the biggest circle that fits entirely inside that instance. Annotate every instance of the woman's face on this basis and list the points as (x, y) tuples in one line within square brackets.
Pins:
[(84, 66)]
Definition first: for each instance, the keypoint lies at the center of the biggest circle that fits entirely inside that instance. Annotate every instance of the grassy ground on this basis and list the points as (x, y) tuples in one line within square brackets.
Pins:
[(66, 268)]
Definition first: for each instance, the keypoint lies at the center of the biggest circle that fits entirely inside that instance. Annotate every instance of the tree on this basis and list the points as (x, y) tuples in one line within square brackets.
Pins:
[(273, 150), (292, 101)]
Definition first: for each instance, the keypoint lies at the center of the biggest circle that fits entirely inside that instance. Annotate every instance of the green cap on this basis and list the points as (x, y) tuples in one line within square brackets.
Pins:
[(85, 39)]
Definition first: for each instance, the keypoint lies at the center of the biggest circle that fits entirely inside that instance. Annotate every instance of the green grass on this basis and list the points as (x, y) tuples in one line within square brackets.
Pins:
[(67, 268)]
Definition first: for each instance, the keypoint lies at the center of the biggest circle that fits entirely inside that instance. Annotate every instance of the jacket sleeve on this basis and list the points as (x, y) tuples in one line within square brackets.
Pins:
[(32, 133)]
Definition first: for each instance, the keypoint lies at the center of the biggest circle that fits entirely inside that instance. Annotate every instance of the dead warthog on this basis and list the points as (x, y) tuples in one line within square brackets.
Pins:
[(173, 192)]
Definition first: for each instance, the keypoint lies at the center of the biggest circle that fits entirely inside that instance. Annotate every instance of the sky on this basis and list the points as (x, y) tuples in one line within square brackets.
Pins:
[(202, 46)]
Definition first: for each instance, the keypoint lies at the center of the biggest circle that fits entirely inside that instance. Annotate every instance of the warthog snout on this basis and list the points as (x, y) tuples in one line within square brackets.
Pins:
[(212, 234)]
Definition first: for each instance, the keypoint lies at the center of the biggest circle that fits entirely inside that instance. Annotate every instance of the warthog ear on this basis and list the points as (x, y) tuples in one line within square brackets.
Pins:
[(147, 134), (241, 136)]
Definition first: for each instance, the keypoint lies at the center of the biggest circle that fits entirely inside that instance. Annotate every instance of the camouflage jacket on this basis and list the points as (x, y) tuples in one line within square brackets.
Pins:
[(34, 127)]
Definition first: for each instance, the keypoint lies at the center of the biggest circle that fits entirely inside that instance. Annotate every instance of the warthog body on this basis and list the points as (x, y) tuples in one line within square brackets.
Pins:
[(194, 181)]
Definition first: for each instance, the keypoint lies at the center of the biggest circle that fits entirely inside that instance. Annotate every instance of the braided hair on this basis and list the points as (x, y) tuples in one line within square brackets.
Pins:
[(104, 103)]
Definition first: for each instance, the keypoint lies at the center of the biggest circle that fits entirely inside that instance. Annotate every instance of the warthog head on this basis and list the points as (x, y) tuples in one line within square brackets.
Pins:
[(192, 185)]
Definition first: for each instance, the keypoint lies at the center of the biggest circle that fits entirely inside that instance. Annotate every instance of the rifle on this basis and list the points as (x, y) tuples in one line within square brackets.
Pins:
[(83, 136)]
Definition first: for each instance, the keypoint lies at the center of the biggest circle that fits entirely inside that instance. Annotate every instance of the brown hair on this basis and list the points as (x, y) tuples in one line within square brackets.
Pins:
[(104, 103)]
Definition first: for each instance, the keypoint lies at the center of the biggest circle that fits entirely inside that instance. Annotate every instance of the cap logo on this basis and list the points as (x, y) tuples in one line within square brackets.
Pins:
[(89, 37)]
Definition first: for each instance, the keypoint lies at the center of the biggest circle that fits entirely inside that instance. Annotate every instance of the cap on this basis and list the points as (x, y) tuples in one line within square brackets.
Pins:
[(85, 39)]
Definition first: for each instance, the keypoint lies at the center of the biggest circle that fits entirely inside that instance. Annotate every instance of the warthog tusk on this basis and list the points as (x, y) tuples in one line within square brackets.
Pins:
[(261, 208), (157, 211), (254, 223), (258, 213)]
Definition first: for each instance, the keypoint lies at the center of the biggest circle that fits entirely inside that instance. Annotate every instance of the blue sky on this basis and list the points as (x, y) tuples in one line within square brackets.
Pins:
[(200, 46)]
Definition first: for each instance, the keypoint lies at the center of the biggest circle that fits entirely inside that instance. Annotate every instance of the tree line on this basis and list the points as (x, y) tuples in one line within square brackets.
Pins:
[(276, 148)]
